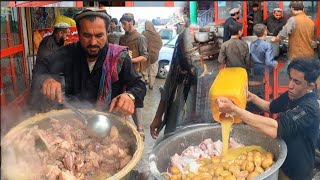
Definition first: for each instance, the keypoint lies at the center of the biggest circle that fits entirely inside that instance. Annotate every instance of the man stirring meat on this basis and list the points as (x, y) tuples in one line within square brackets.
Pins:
[(96, 73), (298, 119)]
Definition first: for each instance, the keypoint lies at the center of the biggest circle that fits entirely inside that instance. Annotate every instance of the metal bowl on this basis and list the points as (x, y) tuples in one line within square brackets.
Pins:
[(126, 129), (160, 157)]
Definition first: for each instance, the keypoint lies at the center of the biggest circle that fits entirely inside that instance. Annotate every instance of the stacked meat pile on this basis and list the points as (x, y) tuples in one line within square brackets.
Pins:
[(206, 149), (69, 153)]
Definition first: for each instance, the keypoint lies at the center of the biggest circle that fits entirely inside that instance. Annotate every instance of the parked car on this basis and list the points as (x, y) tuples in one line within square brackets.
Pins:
[(165, 57), (167, 34)]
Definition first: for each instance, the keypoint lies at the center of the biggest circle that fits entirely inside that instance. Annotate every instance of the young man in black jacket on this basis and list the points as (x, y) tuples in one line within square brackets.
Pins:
[(298, 118)]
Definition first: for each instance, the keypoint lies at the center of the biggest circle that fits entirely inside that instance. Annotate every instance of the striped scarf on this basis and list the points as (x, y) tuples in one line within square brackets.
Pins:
[(111, 67)]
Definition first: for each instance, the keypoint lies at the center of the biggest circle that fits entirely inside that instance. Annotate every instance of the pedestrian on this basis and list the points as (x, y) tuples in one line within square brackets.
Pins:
[(114, 26), (95, 72), (137, 45), (150, 67), (275, 22), (254, 18), (297, 122), (261, 53), (235, 51), (235, 15), (49, 45), (300, 30)]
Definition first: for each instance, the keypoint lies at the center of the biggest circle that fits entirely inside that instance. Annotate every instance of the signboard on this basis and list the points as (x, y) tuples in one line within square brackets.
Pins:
[(39, 34)]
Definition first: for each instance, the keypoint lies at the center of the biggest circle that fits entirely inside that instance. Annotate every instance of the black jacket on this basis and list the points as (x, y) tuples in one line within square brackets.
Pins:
[(298, 126), (82, 85), (274, 26), (226, 32), (48, 46)]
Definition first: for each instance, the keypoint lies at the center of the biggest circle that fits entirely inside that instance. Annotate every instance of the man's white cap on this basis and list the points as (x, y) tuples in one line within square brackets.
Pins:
[(277, 9), (62, 25), (234, 10)]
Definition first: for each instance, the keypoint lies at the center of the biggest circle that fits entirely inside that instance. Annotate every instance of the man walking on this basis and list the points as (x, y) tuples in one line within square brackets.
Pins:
[(137, 45)]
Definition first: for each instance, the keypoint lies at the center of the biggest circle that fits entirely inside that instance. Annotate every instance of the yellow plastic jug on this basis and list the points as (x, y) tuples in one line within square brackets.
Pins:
[(232, 83)]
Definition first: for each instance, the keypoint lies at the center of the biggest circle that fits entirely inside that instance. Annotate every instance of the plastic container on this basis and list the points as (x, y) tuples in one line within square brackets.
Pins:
[(231, 83)]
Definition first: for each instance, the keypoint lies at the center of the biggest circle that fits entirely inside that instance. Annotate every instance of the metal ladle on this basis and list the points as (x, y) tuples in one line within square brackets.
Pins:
[(97, 125)]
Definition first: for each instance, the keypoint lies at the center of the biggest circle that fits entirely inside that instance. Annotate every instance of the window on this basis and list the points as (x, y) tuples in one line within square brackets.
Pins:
[(166, 33), (271, 6), (311, 8), (226, 6)]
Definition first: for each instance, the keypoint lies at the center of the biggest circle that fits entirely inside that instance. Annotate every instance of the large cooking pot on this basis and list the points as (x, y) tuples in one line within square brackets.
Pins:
[(203, 36), (127, 131), (275, 45), (160, 157)]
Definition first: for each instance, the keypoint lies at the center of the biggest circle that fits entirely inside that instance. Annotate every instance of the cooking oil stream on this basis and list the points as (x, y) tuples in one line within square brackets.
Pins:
[(226, 121)]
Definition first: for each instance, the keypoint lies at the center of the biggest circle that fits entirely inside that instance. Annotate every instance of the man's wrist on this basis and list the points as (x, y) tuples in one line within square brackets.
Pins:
[(130, 95)]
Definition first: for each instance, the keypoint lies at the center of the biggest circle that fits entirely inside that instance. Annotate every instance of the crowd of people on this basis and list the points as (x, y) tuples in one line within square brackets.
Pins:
[(113, 76)]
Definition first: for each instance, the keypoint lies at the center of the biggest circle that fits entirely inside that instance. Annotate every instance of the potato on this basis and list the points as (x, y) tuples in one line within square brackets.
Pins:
[(174, 170), (256, 153), (203, 169), (206, 176), (201, 162), (175, 177), (243, 174), (250, 158), (250, 153), (218, 170), (257, 161), (184, 177), (211, 171), (259, 169), (266, 163), (190, 175), (225, 173), (215, 159), (242, 157), (243, 165), (220, 178), (241, 178), (166, 176), (252, 175), (207, 160), (250, 167), (225, 165), (230, 177), (234, 168), (196, 178), (238, 161), (269, 155)]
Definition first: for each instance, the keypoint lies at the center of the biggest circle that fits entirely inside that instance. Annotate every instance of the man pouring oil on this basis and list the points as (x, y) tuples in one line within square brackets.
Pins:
[(298, 118)]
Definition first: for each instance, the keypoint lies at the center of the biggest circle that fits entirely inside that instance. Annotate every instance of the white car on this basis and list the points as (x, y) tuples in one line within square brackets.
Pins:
[(165, 57), (167, 34)]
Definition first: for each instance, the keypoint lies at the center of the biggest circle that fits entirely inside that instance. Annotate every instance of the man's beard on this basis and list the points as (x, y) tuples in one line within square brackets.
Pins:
[(61, 41), (91, 55)]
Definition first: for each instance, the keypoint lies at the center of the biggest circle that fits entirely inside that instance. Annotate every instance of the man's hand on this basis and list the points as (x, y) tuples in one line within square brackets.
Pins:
[(123, 104), (52, 89), (130, 54), (154, 127), (225, 105), (275, 39)]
